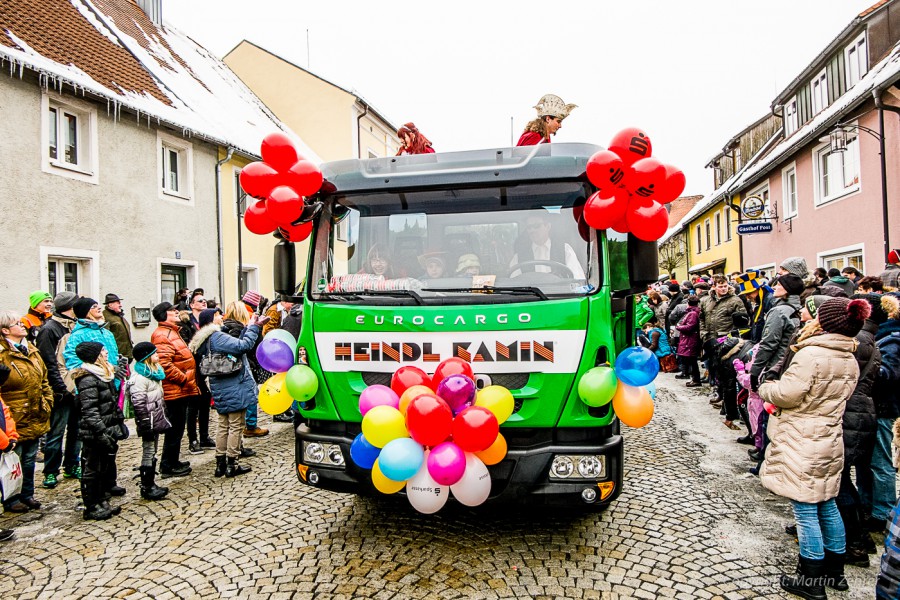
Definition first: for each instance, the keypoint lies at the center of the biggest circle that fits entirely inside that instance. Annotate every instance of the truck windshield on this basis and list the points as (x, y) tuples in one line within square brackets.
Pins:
[(484, 245)]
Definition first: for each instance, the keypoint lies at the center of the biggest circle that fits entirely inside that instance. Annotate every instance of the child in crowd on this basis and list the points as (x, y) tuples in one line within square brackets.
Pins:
[(145, 388)]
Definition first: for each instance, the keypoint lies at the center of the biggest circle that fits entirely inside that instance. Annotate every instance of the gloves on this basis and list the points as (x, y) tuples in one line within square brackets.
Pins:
[(122, 370), (4, 373), (738, 365), (108, 443), (754, 382), (11, 446)]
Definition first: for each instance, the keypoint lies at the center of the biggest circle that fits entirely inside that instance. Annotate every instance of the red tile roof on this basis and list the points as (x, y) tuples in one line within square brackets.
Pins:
[(873, 8), (680, 207)]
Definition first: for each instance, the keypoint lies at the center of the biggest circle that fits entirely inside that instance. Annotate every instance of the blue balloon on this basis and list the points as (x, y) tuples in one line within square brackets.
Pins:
[(400, 459), (363, 453), (637, 366), (651, 387)]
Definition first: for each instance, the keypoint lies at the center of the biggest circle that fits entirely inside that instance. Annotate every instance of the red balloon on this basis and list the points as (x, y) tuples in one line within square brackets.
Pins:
[(429, 419), (278, 151), (631, 145), (256, 219), (601, 213), (606, 170), (673, 185), (305, 177), (647, 219), (296, 233), (647, 177), (621, 225), (284, 205), (475, 429), (259, 179), (406, 377), (451, 366)]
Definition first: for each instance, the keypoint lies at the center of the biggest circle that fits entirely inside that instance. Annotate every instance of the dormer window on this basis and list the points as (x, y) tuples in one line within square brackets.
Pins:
[(791, 120), (819, 89), (856, 60)]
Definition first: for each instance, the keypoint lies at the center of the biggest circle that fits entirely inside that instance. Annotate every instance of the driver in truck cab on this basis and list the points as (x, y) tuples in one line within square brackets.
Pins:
[(540, 246)]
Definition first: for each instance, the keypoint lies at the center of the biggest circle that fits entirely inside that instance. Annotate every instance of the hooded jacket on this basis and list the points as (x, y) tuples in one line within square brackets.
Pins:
[(782, 321), (843, 283), (26, 392), (100, 420), (805, 456), (689, 341), (237, 392), (148, 400), (715, 314), (90, 331)]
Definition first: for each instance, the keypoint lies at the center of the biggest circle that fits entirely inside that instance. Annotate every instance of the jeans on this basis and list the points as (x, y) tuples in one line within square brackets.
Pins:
[(198, 410), (252, 414), (877, 481), (819, 528), (63, 422), (27, 451), (229, 431), (176, 411)]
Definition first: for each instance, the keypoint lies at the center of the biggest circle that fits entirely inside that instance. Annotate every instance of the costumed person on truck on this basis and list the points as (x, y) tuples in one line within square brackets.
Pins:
[(413, 141), (551, 111)]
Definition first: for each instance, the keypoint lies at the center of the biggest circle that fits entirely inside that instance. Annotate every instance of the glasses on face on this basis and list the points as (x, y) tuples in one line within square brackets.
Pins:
[(201, 300)]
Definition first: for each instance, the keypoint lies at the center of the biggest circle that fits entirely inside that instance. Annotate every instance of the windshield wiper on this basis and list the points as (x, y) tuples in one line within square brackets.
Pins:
[(419, 300), (532, 291)]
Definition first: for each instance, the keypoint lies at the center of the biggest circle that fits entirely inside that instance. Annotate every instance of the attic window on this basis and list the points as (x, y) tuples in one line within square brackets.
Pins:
[(175, 168)]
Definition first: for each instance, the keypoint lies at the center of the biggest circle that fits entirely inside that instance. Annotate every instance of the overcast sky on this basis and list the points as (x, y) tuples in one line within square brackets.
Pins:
[(690, 73)]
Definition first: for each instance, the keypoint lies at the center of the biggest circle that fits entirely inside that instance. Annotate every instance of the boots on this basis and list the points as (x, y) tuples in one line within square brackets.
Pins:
[(162, 487), (809, 580), (220, 466), (834, 571), (113, 510), (234, 469), (96, 513), (149, 489)]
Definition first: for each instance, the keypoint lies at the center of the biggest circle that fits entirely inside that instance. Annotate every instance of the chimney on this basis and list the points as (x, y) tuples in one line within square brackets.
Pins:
[(153, 8)]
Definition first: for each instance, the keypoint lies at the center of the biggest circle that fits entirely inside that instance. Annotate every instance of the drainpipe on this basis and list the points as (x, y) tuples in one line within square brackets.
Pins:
[(359, 130), (876, 94), (219, 224)]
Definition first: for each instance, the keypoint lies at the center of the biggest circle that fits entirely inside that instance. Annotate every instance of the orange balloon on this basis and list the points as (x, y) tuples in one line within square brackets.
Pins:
[(412, 392), (632, 405), (495, 452)]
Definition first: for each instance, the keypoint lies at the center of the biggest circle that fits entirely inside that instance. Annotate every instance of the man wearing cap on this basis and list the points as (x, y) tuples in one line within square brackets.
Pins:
[(40, 305), (782, 321), (749, 285), (890, 277), (551, 110), (89, 328), (118, 324), (64, 414)]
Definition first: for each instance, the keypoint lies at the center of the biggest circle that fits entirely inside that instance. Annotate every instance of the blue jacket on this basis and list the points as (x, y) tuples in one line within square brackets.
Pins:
[(886, 391), (237, 392), (90, 331)]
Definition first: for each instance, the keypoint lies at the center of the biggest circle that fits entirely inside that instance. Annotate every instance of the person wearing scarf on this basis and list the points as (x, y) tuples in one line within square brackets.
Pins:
[(146, 392)]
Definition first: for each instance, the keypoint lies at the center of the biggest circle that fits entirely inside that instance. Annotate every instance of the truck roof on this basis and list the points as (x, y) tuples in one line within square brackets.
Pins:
[(492, 167)]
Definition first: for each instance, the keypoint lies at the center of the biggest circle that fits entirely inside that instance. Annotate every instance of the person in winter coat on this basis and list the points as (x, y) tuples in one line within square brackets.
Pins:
[(782, 321), (40, 305), (8, 436), (118, 325), (887, 585), (231, 394), (659, 305), (890, 277), (754, 403), (89, 328), (236, 319), (146, 392), (64, 416), (838, 280), (28, 395), (179, 386), (805, 456), (689, 344), (101, 426)]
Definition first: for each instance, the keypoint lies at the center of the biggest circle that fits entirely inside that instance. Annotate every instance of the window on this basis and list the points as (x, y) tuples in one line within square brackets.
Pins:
[(727, 223), (789, 192), (836, 173), (175, 274), (856, 60), (248, 279), (372, 153), (718, 228), (791, 122), (69, 130), (175, 162), (699, 240), (819, 91), (763, 194), (849, 256), (63, 275), (708, 235), (69, 270)]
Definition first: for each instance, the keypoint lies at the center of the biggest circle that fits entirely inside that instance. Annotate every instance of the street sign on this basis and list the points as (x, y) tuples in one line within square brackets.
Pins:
[(753, 207), (751, 228)]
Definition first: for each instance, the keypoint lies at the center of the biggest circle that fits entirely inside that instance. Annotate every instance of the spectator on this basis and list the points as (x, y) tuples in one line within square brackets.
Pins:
[(853, 274), (8, 436), (179, 386), (197, 424), (689, 341), (821, 276), (551, 110), (675, 311), (147, 398), (114, 315), (40, 307), (869, 285), (28, 395), (781, 322), (835, 279), (100, 427), (51, 343), (89, 328), (716, 310), (890, 277), (232, 394), (657, 338), (182, 298), (751, 287), (197, 304), (235, 321), (795, 265), (659, 305), (277, 313), (805, 456), (433, 265)]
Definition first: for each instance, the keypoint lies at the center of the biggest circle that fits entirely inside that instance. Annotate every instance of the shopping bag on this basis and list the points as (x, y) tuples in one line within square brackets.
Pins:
[(10, 474)]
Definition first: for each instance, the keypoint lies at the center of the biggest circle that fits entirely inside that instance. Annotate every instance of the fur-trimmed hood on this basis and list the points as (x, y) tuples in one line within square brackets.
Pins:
[(202, 335)]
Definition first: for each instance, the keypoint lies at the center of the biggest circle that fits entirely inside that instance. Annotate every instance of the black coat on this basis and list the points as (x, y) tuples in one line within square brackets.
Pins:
[(100, 421), (859, 415), (886, 391)]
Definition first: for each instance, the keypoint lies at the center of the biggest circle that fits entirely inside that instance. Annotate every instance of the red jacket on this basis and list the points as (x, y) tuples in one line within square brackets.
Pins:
[(8, 432), (177, 361), (532, 138)]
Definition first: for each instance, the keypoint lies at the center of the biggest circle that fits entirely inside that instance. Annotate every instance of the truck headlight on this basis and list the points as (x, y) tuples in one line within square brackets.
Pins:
[(578, 466), (590, 467), (314, 452), (318, 453), (562, 467)]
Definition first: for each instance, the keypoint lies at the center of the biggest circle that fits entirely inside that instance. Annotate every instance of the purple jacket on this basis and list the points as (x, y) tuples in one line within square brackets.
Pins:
[(689, 341)]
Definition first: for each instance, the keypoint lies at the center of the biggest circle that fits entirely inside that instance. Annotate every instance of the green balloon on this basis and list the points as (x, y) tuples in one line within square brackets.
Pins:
[(302, 383), (597, 386)]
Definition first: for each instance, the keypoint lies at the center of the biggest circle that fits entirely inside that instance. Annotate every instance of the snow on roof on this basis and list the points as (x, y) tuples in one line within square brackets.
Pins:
[(194, 91)]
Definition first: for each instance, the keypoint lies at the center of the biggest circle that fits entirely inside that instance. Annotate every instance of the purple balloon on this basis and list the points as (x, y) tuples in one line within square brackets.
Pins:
[(275, 355), (446, 463), (458, 391), (377, 395)]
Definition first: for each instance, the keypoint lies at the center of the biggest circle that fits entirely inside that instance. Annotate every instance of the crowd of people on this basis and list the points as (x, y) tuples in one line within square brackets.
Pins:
[(70, 372), (807, 366)]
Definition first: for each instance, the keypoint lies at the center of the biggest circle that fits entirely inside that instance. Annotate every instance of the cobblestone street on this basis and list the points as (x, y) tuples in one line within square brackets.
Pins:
[(691, 523)]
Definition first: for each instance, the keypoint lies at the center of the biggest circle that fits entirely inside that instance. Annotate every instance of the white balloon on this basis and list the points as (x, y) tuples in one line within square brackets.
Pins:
[(425, 494), (475, 486)]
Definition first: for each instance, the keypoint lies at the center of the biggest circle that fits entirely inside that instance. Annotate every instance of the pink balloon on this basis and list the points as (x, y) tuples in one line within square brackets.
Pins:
[(446, 463), (458, 391), (377, 395)]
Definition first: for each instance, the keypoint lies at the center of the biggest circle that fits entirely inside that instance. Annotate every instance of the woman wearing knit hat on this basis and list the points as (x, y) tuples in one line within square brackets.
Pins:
[(40, 307), (146, 391), (805, 456)]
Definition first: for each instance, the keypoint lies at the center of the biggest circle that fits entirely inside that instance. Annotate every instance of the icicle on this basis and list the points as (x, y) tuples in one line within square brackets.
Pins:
[(21, 70)]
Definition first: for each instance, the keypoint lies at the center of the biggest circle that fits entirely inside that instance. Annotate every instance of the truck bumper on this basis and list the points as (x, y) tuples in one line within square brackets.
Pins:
[(522, 477)]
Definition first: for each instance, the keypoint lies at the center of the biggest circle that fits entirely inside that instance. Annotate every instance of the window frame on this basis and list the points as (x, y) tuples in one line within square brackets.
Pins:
[(252, 272), (707, 229), (820, 81), (88, 265), (192, 274), (789, 212), (718, 231), (699, 239), (185, 150), (726, 214), (844, 253), (87, 168), (791, 117), (857, 45), (821, 151)]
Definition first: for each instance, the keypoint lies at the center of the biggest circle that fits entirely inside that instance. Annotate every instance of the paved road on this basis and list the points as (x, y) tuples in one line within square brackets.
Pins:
[(691, 523)]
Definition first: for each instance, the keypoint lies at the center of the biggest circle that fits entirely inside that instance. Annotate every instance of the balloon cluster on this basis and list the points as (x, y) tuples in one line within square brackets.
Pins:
[(276, 353), (280, 182), (632, 187), (629, 386), (432, 435)]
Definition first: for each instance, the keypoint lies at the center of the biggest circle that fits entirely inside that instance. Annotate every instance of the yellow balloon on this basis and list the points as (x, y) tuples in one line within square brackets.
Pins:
[(274, 397), (498, 400), (633, 405), (383, 424), (495, 452), (412, 392), (382, 483)]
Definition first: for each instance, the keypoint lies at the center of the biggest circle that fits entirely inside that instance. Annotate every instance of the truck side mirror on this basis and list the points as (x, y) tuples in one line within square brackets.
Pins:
[(285, 267), (643, 262)]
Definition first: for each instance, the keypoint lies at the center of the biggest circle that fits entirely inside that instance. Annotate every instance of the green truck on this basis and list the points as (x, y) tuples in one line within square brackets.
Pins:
[(480, 255)]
